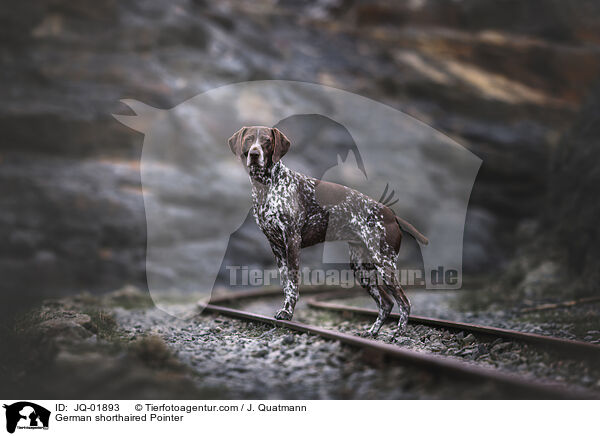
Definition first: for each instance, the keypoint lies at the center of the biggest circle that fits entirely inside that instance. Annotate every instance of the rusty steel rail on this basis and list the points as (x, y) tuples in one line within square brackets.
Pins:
[(518, 385), (561, 305), (580, 348), (271, 291)]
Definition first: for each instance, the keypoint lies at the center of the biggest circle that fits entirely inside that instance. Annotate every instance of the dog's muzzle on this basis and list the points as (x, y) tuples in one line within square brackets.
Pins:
[(255, 156)]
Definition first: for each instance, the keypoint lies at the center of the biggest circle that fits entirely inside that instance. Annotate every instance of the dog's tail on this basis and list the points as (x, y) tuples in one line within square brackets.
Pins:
[(408, 227)]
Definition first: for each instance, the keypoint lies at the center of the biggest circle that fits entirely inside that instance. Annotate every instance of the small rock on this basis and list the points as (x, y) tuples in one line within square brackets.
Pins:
[(81, 360), (64, 328), (587, 380), (469, 339), (82, 319), (404, 341), (333, 361), (288, 339), (512, 356), (498, 348), (480, 351), (464, 352), (260, 353)]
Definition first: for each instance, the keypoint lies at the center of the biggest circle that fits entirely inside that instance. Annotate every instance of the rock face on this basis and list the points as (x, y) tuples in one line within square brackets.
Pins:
[(503, 78), (573, 208)]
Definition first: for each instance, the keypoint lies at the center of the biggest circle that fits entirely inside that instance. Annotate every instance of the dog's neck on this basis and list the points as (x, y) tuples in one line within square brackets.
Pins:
[(263, 180), (265, 177)]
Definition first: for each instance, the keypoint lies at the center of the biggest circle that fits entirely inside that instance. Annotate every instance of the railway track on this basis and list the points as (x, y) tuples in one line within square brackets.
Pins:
[(572, 347), (516, 385)]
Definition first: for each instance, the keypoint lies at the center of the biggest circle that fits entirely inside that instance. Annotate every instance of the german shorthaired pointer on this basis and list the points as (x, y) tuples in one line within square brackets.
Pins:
[(296, 211)]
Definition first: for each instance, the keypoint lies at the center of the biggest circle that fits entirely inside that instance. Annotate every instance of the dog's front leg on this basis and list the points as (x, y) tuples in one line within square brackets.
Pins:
[(289, 269)]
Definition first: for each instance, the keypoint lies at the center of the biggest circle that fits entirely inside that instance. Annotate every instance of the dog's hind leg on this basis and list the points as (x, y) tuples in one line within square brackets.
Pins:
[(385, 305), (391, 283), (403, 304), (366, 274)]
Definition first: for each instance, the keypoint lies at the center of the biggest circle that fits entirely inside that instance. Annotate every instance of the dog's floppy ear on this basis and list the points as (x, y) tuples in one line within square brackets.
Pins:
[(281, 145), (235, 142)]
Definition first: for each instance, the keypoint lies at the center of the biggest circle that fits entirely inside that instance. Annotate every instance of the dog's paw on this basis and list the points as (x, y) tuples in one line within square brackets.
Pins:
[(284, 314), (369, 334)]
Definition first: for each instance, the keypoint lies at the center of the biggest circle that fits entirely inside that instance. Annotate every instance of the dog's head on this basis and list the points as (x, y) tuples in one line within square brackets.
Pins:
[(259, 147)]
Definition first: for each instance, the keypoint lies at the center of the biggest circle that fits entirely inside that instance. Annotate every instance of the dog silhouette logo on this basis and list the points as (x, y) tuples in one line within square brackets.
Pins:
[(26, 415), (196, 194)]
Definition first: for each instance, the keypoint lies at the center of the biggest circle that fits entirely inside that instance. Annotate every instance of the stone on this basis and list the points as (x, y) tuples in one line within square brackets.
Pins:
[(260, 353), (469, 339), (288, 339), (64, 328), (500, 347)]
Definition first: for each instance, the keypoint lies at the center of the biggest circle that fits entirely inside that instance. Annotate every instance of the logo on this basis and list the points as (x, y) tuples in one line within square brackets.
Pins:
[(197, 196), (26, 415)]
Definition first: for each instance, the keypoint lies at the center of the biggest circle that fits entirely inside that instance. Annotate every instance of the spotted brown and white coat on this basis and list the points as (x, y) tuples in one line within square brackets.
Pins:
[(296, 211)]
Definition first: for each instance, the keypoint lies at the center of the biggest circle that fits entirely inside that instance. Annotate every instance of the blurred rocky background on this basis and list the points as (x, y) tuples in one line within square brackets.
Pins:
[(514, 81)]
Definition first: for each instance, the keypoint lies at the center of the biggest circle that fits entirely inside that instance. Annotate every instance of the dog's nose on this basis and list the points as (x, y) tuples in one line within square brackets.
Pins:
[(254, 155)]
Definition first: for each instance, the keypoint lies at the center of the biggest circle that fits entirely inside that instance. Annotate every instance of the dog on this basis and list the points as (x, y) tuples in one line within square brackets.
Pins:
[(296, 211)]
